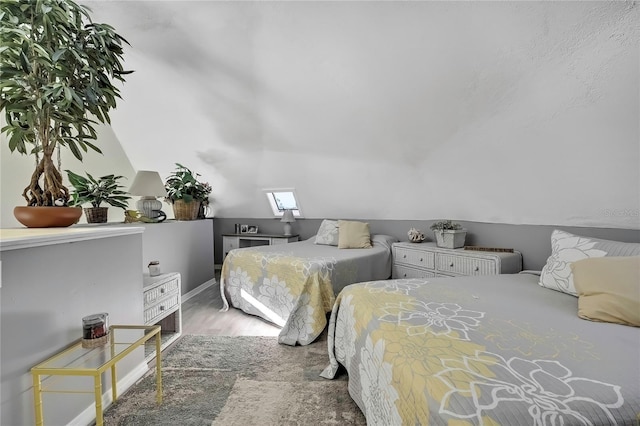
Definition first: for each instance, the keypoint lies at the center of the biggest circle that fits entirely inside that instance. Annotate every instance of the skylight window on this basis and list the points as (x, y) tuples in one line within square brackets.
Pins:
[(283, 199)]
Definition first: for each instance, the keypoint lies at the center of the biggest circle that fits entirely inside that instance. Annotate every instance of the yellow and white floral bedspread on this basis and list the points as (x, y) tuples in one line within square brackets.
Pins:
[(294, 285), (481, 351)]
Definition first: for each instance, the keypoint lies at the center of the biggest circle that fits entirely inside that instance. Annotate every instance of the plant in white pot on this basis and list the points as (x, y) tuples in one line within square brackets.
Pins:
[(57, 71), (448, 234), (105, 189)]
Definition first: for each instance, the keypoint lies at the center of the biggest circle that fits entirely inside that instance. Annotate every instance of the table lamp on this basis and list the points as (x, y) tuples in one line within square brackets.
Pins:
[(148, 185), (288, 219)]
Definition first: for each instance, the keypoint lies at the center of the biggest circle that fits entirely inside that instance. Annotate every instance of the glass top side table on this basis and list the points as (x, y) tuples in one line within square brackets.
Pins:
[(79, 361)]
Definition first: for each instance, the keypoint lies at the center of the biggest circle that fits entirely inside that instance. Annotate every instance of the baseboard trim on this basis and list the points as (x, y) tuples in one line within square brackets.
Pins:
[(88, 416), (198, 290)]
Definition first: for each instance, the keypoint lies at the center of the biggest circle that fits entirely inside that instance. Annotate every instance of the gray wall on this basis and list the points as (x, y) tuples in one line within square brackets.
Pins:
[(47, 290), (180, 246), (534, 241), (45, 293)]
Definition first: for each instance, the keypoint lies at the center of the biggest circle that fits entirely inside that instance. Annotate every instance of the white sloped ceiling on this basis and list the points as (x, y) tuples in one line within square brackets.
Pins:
[(513, 112)]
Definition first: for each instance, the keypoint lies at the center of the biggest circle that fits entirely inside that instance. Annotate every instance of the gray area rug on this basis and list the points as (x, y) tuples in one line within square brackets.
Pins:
[(220, 380)]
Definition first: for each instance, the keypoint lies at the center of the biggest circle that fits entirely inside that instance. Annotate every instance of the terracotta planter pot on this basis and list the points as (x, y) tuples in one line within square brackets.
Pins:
[(186, 211), (47, 217)]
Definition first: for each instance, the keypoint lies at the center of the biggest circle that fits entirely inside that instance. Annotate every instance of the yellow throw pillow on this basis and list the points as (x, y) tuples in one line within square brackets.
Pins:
[(353, 234), (608, 289)]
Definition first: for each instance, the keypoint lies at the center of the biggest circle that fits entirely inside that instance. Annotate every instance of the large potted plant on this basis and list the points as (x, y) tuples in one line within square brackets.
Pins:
[(57, 70), (186, 193), (448, 234), (105, 189)]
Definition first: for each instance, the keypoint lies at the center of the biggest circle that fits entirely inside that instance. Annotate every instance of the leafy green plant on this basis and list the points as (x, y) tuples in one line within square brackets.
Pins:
[(97, 191), (57, 70), (183, 184), (445, 225)]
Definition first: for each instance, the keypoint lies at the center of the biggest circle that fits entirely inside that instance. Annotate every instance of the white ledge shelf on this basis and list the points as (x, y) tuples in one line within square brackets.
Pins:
[(21, 238)]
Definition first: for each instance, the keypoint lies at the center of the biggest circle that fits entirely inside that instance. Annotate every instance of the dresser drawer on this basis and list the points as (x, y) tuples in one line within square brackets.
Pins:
[(465, 265), (229, 243), (401, 271), (155, 312), (419, 258), (163, 290)]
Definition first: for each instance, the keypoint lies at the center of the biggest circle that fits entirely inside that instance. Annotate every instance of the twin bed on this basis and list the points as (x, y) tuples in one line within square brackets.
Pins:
[(481, 350), (294, 285), (499, 349)]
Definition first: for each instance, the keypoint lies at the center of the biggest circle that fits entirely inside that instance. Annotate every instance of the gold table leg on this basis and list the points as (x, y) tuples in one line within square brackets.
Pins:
[(158, 369), (37, 399), (98, 393), (114, 393)]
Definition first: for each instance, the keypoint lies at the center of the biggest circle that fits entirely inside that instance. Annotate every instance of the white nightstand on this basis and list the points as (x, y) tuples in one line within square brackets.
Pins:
[(234, 241), (163, 306), (424, 260)]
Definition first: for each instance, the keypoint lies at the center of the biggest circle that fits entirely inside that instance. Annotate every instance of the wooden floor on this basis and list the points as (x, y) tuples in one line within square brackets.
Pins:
[(201, 315)]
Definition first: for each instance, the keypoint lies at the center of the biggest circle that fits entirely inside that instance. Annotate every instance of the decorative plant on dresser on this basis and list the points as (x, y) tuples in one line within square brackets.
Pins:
[(185, 193), (96, 191), (448, 234), (58, 69)]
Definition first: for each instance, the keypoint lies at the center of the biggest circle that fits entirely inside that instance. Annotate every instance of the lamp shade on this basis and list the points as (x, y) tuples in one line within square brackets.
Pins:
[(287, 216), (148, 183)]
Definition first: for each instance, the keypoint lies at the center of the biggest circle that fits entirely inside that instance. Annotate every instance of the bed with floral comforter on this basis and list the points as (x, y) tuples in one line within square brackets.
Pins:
[(481, 351), (294, 285)]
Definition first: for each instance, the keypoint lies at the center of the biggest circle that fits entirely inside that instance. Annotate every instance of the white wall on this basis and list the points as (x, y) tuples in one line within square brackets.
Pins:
[(504, 112)]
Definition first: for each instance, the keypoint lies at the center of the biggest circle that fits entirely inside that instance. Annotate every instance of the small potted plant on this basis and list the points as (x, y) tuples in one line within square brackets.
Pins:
[(96, 191), (186, 194), (448, 234)]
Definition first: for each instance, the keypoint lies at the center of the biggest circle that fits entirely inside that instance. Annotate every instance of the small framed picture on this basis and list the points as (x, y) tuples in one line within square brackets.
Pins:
[(252, 229), (244, 229)]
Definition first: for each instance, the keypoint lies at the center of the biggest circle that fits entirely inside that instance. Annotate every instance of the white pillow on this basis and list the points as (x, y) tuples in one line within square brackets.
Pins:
[(567, 248), (328, 233)]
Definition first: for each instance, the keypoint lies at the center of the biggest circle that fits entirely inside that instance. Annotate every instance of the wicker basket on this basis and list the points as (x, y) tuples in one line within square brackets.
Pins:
[(186, 211), (95, 343), (450, 238), (96, 214)]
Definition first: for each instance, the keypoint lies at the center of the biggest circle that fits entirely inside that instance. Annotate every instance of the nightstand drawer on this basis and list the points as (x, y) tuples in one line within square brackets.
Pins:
[(163, 290), (400, 271), (161, 308), (420, 258), (465, 265), (229, 243)]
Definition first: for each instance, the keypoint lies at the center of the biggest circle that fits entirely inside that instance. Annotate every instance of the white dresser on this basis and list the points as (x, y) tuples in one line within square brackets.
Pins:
[(424, 260), (162, 305), (234, 241)]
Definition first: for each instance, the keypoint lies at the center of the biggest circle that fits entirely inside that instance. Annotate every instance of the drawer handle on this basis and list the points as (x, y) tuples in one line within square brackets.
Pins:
[(405, 275), (451, 265)]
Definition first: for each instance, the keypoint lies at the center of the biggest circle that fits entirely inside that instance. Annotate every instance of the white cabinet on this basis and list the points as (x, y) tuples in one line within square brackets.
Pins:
[(162, 306), (234, 241), (424, 260)]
